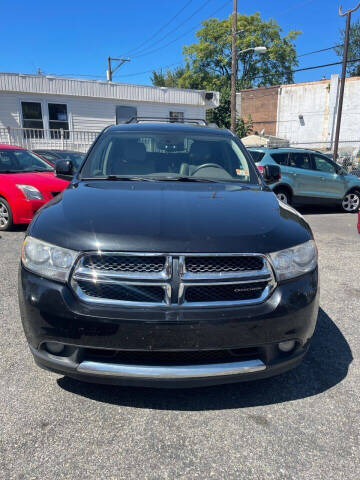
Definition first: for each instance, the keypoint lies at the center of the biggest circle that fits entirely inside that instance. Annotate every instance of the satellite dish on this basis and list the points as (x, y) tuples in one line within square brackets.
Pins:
[(262, 132)]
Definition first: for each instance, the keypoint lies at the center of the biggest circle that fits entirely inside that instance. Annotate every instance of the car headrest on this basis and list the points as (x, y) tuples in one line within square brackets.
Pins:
[(200, 152), (134, 152)]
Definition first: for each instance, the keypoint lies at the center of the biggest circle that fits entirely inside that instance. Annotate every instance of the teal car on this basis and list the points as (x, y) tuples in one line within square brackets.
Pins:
[(309, 177)]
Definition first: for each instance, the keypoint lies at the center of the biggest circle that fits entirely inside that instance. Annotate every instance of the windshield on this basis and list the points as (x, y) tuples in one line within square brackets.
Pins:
[(16, 161), (169, 156)]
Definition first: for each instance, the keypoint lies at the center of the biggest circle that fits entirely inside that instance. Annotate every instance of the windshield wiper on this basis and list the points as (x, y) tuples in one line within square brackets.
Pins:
[(10, 171), (121, 178), (186, 179), (152, 179)]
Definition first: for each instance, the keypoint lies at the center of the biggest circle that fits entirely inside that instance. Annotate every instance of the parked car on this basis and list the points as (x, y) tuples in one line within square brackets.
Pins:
[(168, 262), (309, 177), (53, 156), (27, 182)]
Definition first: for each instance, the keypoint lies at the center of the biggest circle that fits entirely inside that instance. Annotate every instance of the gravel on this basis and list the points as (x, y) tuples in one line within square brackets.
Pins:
[(301, 425)]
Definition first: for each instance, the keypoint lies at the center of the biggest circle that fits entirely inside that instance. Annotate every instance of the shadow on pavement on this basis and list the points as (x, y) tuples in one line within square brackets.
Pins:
[(325, 365), (319, 210)]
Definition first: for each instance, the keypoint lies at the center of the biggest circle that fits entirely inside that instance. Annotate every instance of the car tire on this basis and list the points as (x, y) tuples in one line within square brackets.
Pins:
[(351, 202), (6, 220), (283, 195)]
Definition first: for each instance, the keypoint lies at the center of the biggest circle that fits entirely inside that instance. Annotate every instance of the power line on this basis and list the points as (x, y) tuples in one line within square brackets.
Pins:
[(182, 35), (150, 70), (306, 68), (294, 7), (177, 27), (178, 63), (161, 28), (322, 50)]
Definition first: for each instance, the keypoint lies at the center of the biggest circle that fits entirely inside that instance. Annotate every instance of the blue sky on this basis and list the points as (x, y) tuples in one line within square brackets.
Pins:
[(75, 37)]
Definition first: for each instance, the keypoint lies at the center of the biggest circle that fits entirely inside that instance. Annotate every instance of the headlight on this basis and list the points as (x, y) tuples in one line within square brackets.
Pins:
[(30, 192), (47, 260), (295, 261)]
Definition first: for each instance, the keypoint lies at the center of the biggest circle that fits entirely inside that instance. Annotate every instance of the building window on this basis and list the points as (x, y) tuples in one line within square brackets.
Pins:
[(58, 119), (32, 119), (177, 117)]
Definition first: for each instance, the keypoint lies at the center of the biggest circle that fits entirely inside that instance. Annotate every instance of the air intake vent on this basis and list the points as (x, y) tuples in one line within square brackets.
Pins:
[(223, 264)]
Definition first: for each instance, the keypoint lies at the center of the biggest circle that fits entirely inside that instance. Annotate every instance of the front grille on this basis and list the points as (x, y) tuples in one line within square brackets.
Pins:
[(129, 264), (204, 264), (172, 279), (122, 292), (189, 357), (225, 292)]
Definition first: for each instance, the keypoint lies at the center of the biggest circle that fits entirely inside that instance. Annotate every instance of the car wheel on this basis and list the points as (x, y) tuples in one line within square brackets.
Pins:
[(5, 215), (351, 202), (283, 196)]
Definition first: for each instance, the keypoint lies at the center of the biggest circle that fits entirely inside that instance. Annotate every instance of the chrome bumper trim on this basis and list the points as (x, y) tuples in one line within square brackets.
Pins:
[(170, 372)]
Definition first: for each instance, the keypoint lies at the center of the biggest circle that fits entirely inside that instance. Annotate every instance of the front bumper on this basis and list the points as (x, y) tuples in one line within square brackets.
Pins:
[(51, 312), (24, 210)]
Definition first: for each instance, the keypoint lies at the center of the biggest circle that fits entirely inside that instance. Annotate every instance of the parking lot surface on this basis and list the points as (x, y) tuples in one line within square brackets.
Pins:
[(304, 424)]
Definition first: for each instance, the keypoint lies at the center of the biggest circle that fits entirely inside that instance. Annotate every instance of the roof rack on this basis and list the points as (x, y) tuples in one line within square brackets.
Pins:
[(194, 121)]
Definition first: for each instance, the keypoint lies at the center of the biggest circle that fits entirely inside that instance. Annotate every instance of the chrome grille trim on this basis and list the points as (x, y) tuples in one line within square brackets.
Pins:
[(104, 274), (166, 280), (106, 301)]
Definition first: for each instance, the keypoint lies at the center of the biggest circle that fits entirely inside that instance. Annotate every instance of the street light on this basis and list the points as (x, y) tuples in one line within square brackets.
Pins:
[(254, 49)]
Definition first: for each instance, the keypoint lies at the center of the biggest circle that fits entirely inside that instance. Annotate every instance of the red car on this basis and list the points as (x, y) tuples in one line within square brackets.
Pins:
[(27, 182)]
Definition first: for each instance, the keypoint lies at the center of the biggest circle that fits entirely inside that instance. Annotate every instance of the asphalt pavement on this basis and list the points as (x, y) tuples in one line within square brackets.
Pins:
[(304, 424)]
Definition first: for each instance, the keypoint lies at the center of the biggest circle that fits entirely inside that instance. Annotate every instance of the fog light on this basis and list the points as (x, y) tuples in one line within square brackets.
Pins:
[(286, 346), (54, 347)]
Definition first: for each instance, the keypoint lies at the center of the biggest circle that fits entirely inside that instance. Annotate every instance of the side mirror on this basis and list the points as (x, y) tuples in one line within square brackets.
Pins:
[(64, 169), (271, 174)]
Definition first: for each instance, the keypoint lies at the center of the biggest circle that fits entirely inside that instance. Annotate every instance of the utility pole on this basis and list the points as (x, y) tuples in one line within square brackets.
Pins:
[(233, 67), (343, 75), (110, 70)]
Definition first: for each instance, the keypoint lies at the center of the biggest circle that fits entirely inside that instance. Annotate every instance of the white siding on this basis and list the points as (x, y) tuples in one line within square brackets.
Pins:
[(88, 114), (9, 110), (37, 84)]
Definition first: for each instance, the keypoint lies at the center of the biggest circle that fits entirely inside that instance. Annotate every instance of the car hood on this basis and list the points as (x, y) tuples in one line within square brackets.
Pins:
[(169, 217), (43, 181)]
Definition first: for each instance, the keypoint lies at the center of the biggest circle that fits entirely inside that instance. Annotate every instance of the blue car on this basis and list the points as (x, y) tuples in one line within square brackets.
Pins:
[(310, 177)]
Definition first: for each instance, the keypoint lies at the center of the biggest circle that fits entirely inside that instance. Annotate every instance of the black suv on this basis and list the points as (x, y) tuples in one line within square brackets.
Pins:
[(168, 261)]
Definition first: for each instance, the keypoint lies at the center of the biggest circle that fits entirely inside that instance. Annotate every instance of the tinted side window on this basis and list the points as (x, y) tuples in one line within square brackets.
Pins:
[(322, 164), (300, 160), (257, 156), (280, 158)]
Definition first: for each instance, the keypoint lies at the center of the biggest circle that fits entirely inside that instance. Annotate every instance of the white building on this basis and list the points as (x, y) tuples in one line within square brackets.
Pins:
[(52, 112), (305, 113)]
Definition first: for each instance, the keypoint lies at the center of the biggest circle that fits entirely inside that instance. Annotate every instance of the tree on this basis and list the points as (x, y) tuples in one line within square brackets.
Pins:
[(353, 69), (208, 62)]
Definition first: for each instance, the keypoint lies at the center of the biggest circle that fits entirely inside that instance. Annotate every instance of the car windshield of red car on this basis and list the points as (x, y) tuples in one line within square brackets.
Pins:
[(19, 161)]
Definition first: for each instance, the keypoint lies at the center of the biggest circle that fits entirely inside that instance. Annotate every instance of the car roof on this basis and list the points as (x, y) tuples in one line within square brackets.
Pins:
[(284, 150), (4, 146), (45, 150), (168, 127)]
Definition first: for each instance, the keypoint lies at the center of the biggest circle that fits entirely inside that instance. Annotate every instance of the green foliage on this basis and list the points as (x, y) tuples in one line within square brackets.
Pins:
[(221, 116), (243, 127), (208, 62), (353, 69)]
